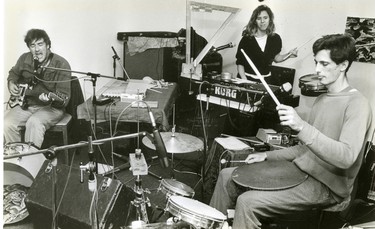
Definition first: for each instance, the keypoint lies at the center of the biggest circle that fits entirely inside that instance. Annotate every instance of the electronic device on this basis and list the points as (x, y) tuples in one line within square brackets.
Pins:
[(269, 136)]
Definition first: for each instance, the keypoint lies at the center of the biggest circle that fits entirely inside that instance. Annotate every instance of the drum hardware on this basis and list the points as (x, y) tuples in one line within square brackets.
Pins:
[(175, 143), (310, 85), (141, 202)]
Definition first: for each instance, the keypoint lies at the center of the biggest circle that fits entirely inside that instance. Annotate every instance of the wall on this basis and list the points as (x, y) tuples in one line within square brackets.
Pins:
[(83, 31)]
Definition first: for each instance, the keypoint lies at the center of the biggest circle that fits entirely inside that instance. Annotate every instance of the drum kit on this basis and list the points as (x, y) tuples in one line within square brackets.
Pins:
[(310, 85), (179, 196), (19, 174), (180, 205)]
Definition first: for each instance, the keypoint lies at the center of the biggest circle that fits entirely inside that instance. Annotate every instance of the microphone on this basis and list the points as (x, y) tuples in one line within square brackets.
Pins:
[(285, 88), (229, 45), (36, 63), (114, 51), (159, 143)]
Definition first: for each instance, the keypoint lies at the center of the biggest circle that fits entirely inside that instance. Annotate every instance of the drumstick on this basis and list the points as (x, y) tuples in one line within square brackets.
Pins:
[(373, 43), (289, 54), (270, 92), (223, 161)]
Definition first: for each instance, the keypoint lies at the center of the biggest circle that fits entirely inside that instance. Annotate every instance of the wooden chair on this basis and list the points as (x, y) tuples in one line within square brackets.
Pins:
[(62, 126), (69, 125)]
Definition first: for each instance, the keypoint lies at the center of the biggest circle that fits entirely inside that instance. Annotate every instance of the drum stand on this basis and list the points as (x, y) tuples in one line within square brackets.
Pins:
[(140, 202)]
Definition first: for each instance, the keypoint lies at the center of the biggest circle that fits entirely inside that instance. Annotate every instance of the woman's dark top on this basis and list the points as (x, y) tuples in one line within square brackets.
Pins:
[(262, 60)]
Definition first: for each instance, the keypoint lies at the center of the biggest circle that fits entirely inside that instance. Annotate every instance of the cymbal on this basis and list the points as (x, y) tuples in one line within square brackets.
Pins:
[(177, 142)]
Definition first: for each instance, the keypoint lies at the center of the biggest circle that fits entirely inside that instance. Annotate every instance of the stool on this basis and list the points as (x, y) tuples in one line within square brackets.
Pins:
[(61, 126)]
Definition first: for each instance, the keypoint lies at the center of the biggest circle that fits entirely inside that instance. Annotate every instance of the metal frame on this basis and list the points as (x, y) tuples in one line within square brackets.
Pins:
[(191, 68)]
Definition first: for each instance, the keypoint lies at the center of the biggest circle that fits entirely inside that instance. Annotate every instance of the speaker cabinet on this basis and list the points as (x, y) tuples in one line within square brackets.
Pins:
[(74, 212), (156, 63)]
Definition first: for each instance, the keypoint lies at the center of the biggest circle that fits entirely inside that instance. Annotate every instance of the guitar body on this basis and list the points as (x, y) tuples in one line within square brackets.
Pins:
[(19, 100), (26, 90)]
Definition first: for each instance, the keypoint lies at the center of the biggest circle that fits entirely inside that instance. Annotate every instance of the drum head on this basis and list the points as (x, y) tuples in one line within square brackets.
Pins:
[(177, 187), (195, 212), (310, 85), (19, 174), (21, 170), (269, 175)]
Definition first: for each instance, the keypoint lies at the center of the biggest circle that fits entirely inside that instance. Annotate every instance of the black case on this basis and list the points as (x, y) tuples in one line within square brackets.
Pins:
[(74, 212)]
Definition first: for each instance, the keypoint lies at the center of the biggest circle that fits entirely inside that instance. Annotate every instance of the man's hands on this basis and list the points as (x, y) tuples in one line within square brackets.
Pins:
[(13, 88), (44, 97), (289, 117), (255, 157)]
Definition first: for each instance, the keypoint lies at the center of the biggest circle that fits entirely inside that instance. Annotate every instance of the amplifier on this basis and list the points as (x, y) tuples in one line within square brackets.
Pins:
[(74, 212)]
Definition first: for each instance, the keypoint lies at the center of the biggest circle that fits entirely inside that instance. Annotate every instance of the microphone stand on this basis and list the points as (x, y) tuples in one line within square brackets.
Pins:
[(75, 145), (51, 168), (163, 160), (94, 77), (116, 57)]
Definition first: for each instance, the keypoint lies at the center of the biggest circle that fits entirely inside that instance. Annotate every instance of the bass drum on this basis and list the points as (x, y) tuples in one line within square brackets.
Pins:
[(310, 85), (19, 174), (21, 170)]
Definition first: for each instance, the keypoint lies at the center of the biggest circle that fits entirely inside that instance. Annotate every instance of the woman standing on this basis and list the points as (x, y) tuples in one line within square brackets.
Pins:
[(261, 44)]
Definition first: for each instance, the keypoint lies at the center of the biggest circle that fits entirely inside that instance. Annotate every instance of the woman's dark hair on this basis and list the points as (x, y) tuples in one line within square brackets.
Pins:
[(341, 47), (252, 27), (36, 34)]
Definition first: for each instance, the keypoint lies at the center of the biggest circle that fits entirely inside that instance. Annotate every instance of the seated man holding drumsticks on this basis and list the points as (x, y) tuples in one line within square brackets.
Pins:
[(332, 146)]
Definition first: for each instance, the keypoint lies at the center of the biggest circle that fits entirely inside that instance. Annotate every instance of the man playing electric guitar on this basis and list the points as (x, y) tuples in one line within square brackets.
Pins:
[(38, 95)]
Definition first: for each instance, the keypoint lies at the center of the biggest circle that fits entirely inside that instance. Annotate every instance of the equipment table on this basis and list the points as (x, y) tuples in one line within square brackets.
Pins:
[(165, 100)]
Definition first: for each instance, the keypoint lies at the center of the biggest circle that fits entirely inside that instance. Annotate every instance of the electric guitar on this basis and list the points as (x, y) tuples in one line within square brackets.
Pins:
[(26, 90)]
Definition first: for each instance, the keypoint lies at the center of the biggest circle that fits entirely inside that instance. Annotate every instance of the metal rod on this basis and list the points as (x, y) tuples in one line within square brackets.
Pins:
[(76, 145), (79, 72)]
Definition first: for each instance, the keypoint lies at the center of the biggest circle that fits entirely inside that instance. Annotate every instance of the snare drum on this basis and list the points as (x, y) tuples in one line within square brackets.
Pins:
[(172, 187), (21, 170), (310, 85), (194, 212)]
